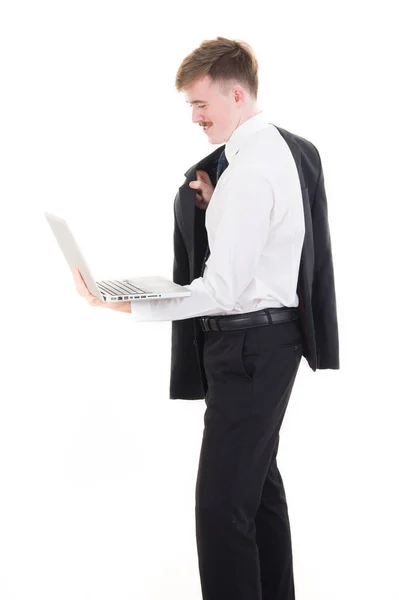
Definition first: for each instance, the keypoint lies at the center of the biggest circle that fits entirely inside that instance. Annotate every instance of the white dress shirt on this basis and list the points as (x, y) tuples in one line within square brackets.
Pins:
[(256, 227)]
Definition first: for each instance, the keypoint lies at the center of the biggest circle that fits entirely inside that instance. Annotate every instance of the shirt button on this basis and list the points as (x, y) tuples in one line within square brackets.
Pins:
[(195, 342)]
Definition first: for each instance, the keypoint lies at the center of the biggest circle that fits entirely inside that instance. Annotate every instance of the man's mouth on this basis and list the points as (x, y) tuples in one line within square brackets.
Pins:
[(207, 127)]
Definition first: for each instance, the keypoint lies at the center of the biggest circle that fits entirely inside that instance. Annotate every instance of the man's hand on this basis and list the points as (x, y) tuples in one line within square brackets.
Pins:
[(205, 189), (93, 300)]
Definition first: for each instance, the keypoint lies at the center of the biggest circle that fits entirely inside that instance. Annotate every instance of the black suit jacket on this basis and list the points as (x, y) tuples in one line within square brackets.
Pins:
[(315, 288)]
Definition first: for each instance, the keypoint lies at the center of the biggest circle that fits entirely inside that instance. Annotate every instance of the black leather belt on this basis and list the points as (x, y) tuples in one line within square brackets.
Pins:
[(265, 316)]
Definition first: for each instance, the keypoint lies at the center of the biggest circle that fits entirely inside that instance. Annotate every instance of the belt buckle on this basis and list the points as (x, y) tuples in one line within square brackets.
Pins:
[(205, 322)]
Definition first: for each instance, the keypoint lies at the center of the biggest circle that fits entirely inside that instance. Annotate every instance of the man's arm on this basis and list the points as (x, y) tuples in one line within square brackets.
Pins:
[(241, 231)]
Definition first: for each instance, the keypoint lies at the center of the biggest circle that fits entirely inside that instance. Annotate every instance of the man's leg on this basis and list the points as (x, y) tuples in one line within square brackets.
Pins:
[(273, 536), (242, 420)]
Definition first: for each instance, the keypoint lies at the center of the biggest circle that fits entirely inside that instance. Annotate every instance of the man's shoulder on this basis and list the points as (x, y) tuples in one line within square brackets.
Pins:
[(308, 151)]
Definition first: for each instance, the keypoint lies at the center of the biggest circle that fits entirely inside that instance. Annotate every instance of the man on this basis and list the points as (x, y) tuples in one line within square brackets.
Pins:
[(261, 275)]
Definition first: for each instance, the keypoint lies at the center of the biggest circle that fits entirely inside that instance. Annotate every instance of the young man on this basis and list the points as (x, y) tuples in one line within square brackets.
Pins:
[(261, 275)]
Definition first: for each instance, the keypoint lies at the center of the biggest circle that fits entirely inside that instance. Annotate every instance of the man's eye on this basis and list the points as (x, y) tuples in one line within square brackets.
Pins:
[(199, 105)]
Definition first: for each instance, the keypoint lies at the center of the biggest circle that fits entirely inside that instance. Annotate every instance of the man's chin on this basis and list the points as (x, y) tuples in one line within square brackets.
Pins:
[(213, 140)]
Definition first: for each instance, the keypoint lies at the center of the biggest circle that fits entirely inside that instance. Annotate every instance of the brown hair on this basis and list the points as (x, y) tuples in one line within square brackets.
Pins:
[(225, 61)]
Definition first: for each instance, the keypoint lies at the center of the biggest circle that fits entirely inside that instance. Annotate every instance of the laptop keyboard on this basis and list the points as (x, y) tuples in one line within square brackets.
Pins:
[(120, 287)]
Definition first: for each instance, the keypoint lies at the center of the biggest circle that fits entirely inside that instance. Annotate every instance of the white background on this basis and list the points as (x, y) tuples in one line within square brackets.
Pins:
[(97, 465)]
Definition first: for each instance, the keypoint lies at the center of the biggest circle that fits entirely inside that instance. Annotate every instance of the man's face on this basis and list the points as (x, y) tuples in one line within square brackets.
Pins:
[(218, 111)]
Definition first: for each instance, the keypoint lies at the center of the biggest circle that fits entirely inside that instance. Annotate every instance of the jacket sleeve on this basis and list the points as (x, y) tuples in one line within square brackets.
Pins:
[(323, 293)]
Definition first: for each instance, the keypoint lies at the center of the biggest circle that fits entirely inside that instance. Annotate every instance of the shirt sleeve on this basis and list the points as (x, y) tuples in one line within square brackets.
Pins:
[(238, 238)]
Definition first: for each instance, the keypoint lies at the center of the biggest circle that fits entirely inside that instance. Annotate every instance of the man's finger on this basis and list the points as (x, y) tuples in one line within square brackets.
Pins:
[(204, 176)]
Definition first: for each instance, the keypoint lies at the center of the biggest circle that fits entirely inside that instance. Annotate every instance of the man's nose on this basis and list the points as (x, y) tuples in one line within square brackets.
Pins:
[(196, 118)]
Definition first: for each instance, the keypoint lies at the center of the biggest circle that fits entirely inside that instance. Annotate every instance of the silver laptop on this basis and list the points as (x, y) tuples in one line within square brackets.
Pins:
[(117, 290)]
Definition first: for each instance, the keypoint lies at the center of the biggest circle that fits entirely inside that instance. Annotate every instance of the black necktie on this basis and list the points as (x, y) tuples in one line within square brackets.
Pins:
[(222, 165)]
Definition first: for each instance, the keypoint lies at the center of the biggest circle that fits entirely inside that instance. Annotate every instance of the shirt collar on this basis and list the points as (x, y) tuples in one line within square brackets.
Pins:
[(246, 129)]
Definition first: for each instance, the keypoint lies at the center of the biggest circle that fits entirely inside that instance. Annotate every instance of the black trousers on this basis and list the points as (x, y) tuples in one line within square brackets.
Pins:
[(242, 525)]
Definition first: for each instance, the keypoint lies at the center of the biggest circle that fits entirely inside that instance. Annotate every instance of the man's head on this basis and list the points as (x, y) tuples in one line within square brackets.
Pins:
[(220, 81)]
